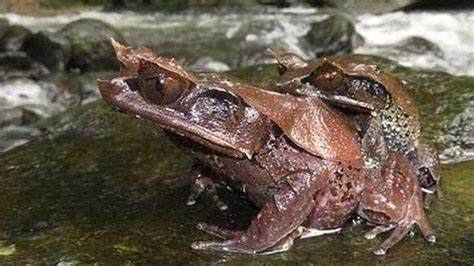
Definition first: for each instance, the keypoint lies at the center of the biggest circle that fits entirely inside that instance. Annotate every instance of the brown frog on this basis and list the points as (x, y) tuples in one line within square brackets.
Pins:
[(378, 104), (295, 158)]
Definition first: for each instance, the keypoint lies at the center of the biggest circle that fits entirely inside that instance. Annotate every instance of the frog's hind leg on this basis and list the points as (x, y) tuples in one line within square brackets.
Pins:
[(275, 222), (378, 230), (217, 231), (203, 183)]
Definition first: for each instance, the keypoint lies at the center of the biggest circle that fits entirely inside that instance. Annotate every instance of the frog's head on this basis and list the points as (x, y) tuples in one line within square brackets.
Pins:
[(159, 90), (159, 80)]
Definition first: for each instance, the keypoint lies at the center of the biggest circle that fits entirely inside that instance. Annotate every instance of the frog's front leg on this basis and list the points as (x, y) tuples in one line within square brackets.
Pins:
[(394, 201), (414, 215), (203, 183), (273, 226)]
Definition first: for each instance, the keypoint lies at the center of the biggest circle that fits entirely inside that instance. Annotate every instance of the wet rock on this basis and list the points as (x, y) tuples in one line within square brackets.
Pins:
[(26, 102), (410, 50), (460, 135), (12, 38), (419, 45), (409, 47), (369, 6), (89, 45), (242, 44), (12, 136), (46, 50), (18, 64), (3, 24), (334, 35), (112, 189), (11, 117), (18, 116), (42, 98)]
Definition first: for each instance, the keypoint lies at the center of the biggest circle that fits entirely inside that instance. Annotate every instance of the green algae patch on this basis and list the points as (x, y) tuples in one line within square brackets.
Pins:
[(7, 250)]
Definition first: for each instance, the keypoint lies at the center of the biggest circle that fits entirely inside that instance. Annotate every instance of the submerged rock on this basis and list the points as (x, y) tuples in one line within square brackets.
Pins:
[(45, 49), (369, 6), (12, 38), (19, 64), (334, 35), (419, 45), (409, 51), (102, 187), (460, 134), (88, 45)]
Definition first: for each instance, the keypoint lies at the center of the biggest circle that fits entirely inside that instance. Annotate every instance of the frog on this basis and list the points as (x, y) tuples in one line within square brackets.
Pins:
[(297, 159), (393, 199), (377, 103)]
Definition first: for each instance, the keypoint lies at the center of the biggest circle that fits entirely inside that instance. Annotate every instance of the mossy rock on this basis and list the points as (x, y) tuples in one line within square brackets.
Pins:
[(333, 35), (102, 187), (88, 46), (12, 38)]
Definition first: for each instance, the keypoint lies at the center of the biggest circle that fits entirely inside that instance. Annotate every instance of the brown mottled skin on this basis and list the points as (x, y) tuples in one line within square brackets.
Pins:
[(305, 172), (377, 103)]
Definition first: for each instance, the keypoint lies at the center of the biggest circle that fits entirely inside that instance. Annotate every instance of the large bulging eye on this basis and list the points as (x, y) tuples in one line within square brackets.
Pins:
[(160, 90), (329, 79), (326, 78)]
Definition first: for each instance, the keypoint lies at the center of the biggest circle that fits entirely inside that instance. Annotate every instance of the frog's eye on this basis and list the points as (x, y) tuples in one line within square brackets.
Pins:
[(163, 90), (326, 78), (328, 81)]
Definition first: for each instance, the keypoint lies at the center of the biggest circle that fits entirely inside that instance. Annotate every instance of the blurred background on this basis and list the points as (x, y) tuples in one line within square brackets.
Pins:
[(81, 184)]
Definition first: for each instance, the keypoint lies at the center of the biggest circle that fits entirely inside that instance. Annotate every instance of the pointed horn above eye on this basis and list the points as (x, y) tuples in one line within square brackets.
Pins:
[(288, 60), (272, 53), (120, 49)]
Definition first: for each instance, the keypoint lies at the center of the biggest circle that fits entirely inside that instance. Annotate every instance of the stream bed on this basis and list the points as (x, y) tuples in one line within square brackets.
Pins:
[(82, 184)]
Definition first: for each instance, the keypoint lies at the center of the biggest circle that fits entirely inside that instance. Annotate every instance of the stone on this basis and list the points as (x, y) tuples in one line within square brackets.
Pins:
[(18, 64), (89, 46), (12, 38), (334, 35), (369, 6), (102, 187), (45, 49)]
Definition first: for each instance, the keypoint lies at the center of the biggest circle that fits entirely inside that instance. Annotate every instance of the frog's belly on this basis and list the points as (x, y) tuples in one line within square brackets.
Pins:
[(337, 201)]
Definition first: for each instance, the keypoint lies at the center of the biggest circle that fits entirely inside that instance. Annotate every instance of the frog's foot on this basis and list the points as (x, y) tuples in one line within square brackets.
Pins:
[(378, 230), (312, 232), (415, 215), (272, 228), (217, 231), (399, 233), (205, 184)]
